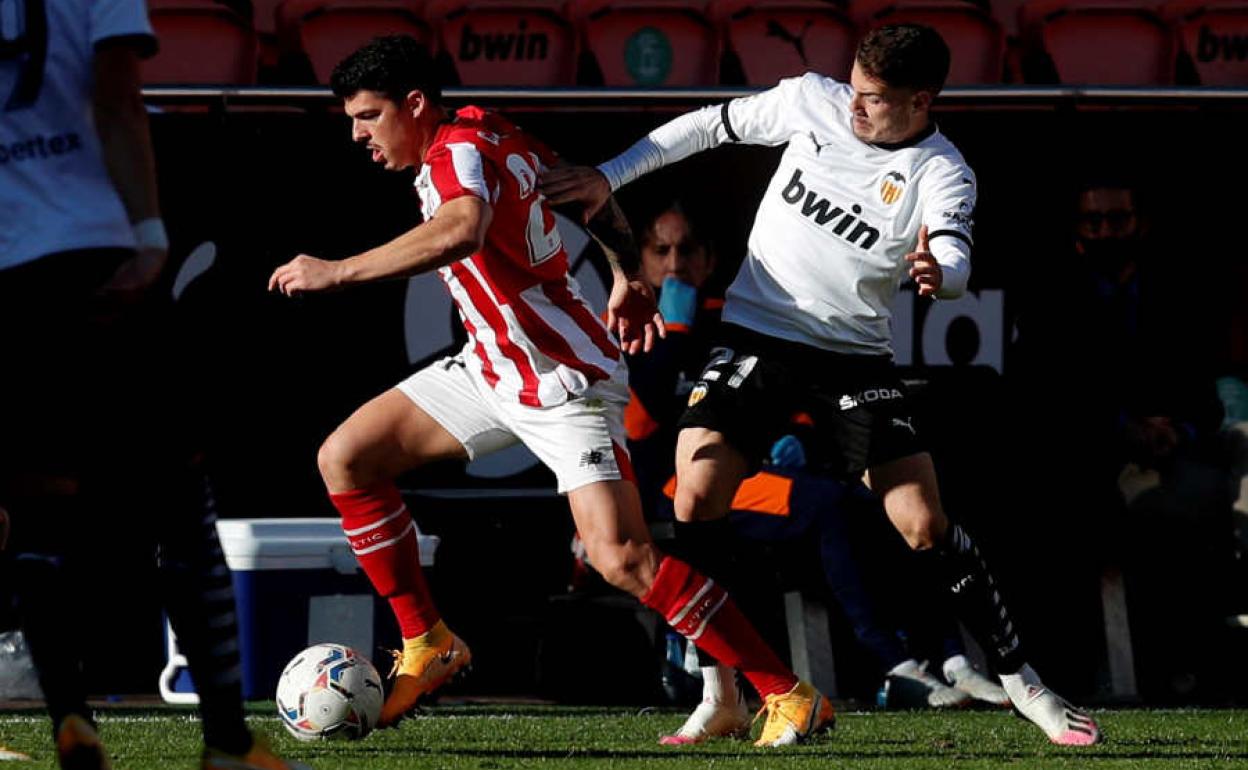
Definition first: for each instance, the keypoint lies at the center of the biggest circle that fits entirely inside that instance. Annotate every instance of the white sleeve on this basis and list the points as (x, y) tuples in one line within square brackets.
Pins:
[(758, 119), (948, 201), (121, 18)]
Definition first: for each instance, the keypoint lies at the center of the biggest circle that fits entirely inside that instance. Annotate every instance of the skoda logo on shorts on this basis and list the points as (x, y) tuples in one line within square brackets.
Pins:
[(648, 56)]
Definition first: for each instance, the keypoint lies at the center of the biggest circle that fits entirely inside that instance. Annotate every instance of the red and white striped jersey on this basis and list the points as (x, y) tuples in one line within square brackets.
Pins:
[(532, 335)]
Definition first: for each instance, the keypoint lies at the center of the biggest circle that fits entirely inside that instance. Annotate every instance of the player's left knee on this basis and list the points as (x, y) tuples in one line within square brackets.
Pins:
[(622, 564)]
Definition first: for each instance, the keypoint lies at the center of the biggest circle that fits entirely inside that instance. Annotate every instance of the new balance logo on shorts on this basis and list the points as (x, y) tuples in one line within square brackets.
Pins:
[(592, 457), (848, 402)]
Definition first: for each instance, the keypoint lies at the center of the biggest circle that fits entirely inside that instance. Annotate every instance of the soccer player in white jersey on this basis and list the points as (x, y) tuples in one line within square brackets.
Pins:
[(868, 193), (82, 247), (538, 368)]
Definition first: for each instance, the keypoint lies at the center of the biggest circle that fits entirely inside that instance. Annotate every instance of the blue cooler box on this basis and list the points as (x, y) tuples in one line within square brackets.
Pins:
[(296, 583)]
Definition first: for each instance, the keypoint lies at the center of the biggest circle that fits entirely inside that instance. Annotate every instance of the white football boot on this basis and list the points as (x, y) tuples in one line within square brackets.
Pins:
[(959, 672), (935, 692), (1063, 723)]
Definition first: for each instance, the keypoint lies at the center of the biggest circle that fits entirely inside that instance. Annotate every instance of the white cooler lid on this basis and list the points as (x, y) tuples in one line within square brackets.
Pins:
[(312, 543)]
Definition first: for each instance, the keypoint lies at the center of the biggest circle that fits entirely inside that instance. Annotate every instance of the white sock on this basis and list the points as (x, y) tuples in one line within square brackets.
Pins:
[(719, 684)]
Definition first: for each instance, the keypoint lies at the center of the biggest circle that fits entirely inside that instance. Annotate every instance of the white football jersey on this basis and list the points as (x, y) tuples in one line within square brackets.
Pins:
[(55, 192), (827, 251)]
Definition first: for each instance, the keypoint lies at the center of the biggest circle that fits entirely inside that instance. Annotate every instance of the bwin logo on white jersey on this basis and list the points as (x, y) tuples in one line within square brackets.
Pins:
[(823, 212)]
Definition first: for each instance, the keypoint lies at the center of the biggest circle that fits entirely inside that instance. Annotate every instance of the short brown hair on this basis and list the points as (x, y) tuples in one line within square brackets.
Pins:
[(905, 56)]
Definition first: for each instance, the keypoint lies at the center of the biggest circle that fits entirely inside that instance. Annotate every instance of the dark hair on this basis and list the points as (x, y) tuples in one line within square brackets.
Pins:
[(394, 65), (674, 206), (905, 56)]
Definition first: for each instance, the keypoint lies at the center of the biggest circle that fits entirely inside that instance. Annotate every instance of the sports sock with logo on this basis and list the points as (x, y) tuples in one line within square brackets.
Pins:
[(701, 610), (383, 538), (962, 570)]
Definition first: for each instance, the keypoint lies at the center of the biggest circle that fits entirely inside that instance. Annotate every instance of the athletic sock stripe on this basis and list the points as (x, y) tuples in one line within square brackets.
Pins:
[(689, 605), (693, 637), (410, 528), (228, 646), (374, 525)]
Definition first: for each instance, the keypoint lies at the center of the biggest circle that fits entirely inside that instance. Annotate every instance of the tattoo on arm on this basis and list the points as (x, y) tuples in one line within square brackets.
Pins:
[(610, 228)]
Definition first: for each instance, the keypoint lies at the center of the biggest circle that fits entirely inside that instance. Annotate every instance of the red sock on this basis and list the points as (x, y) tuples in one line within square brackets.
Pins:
[(383, 537), (702, 611)]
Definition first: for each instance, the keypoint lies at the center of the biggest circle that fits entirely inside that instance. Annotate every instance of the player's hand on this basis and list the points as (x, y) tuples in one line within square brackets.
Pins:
[(135, 276), (304, 274), (576, 184), (924, 268), (633, 315)]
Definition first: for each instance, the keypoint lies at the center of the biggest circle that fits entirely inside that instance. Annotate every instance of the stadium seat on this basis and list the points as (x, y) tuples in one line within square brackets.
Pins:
[(976, 39), (773, 39), (1097, 42), (326, 31), (201, 43), (649, 43), (1213, 41), (507, 42)]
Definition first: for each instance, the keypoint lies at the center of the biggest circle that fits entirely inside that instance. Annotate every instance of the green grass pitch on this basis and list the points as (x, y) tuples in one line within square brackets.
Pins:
[(501, 737)]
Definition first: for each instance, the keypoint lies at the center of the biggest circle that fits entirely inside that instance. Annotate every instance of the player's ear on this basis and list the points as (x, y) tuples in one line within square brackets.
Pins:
[(923, 100), (415, 102)]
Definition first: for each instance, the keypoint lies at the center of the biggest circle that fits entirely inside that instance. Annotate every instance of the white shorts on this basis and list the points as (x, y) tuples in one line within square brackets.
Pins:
[(581, 440)]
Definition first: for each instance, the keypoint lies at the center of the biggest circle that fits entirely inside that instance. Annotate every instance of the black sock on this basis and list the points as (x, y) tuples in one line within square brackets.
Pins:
[(199, 597), (42, 596), (962, 570)]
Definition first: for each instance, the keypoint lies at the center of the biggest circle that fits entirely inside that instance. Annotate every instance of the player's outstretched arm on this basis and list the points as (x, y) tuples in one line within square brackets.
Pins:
[(456, 231), (690, 133)]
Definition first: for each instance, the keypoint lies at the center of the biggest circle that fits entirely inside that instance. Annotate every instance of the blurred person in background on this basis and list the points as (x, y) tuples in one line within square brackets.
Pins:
[(1117, 351), (93, 467)]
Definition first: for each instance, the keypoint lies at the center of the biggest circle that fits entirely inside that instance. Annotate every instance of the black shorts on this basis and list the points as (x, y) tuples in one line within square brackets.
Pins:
[(754, 385)]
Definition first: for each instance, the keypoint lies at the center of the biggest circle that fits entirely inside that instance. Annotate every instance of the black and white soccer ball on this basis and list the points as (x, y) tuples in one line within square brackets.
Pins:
[(329, 691)]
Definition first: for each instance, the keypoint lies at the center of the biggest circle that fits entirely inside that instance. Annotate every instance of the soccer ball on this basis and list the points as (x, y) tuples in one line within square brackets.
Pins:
[(329, 691)]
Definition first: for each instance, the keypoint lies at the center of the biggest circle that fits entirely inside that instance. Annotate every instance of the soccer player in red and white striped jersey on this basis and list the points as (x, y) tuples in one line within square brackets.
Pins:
[(539, 368)]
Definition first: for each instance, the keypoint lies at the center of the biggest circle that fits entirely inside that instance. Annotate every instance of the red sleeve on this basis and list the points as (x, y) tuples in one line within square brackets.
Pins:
[(458, 168)]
